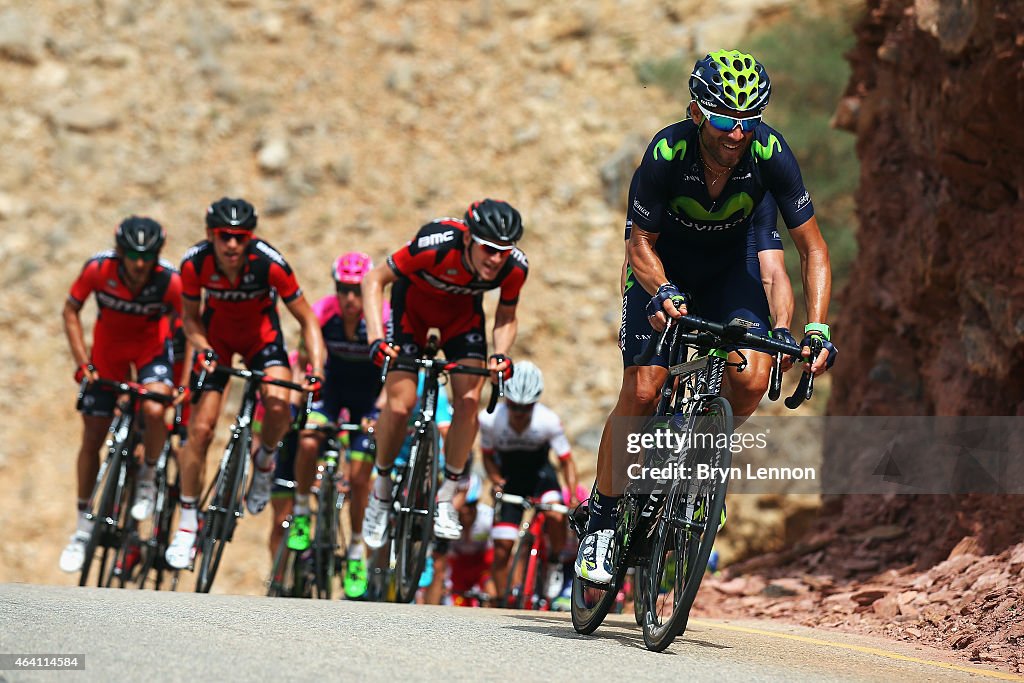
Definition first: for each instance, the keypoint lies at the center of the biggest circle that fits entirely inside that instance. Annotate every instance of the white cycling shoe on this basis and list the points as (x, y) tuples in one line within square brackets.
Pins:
[(182, 549), (446, 521), (375, 522), (145, 498), (594, 561), (73, 556)]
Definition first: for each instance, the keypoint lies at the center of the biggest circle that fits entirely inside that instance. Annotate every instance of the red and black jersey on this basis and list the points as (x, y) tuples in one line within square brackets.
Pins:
[(435, 262), (264, 277), (127, 318)]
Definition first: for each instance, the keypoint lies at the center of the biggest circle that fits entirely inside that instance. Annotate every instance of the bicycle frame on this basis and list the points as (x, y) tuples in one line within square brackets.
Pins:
[(533, 528)]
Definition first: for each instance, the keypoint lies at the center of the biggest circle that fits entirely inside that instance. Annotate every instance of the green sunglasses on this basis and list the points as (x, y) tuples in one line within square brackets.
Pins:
[(132, 255)]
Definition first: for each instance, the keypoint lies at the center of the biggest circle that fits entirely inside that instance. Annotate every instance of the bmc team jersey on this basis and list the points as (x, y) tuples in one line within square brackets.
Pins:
[(126, 318), (132, 329), (241, 317), (435, 288), (698, 235)]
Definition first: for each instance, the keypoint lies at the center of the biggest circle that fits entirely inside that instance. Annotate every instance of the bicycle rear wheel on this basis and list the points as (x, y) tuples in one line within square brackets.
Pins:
[(415, 519), (154, 565), (220, 515), (686, 528)]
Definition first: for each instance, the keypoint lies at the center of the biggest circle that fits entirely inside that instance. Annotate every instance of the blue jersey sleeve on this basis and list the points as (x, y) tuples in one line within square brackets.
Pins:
[(649, 187), (764, 233), (781, 174)]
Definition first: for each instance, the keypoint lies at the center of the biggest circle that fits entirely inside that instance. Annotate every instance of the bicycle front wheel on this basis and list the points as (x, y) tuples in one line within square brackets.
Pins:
[(325, 539), (415, 519), (220, 515), (104, 521), (686, 528)]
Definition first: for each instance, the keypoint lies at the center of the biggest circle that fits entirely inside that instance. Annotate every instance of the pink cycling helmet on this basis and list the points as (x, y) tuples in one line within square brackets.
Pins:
[(350, 268)]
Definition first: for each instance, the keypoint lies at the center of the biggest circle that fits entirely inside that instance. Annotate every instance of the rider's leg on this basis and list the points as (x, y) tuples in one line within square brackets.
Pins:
[(746, 389), (499, 569), (400, 390), (305, 468), (94, 431), (154, 416), (465, 404), (637, 398), (192, 461), (360, 469)]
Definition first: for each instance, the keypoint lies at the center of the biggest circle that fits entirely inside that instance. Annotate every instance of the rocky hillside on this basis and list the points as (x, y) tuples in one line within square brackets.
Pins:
[(349, 125)]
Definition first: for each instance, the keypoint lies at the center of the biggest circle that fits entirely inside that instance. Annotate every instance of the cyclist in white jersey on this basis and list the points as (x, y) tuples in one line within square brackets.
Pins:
[(516, 440)]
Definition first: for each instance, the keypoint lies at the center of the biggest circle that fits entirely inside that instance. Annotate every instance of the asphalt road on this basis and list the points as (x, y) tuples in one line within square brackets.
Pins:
[(142, 635)]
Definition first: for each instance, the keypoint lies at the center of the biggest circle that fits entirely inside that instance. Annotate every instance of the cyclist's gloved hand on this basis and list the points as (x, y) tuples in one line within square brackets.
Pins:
[(315, 384), (86, 371), (783, 335), (498, 362), (826, 345), (379, 351), (183, 394), (667, 291), (205, 360)]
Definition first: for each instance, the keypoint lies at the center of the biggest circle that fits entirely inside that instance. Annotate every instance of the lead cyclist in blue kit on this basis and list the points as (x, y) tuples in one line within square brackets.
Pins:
[(697, 189)]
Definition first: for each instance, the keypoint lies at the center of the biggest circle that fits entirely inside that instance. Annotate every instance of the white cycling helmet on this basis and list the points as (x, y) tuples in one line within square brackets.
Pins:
[(526, 385)]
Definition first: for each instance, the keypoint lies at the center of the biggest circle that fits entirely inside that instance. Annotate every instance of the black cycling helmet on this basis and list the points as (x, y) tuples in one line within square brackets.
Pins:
[(493, 219), (231, 213), (137, 233)]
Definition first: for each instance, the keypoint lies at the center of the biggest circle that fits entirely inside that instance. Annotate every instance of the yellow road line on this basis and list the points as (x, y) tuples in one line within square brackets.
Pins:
[(861, 648)]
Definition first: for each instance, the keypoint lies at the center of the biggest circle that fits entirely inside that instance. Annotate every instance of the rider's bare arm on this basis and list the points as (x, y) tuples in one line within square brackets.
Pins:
[(568, 466), (815, 269), (505, 328), (73, 330), (195, 331), (373, 298), (777, 286), (312, 336)]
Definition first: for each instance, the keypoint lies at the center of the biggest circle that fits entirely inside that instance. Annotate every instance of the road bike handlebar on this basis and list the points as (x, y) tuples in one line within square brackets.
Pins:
[(255, 376), (738, 335), (133, 388), (332, 427), (448, 367), (528, 504)]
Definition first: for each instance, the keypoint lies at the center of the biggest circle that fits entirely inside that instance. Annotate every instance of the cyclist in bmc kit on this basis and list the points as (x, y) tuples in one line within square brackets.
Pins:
[(137, 293), (698, 186), (516, 440), (351, 384), (243, 277), (438, 281)]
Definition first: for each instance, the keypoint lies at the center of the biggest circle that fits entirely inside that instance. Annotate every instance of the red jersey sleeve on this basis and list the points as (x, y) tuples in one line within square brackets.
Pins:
[(85, 283), (190, 285), (172, 297), (408, 260), (283, 280), (513, 282)]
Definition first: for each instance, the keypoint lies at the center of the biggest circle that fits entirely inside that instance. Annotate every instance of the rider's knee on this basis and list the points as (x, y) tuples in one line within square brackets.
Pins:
[(200, 433)]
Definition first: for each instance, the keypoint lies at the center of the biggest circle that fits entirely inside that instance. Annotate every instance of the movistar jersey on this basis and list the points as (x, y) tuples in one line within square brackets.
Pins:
[(697, 234)]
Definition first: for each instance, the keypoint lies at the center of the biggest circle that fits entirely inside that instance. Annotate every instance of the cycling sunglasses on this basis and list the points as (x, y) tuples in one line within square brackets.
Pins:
[(519, 407), (727, 124), (226, 235), (132, 255), (344, 289), (490, 248)]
